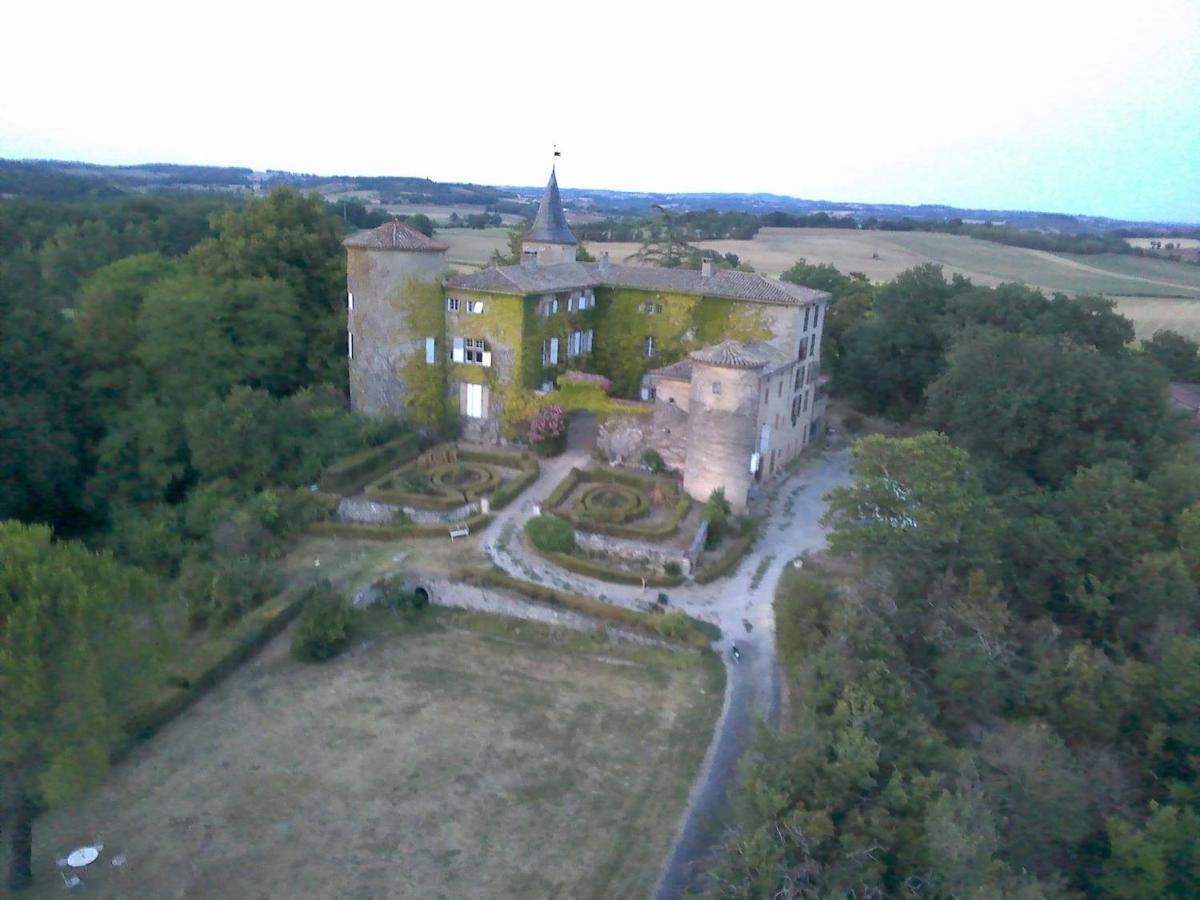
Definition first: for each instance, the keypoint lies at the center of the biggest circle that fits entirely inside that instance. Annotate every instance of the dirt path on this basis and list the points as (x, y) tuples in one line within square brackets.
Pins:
[(752, 686)]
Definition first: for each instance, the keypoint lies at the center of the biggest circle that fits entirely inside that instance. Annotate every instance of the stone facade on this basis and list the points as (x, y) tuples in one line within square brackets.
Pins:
[(383, 284), (427, 344)]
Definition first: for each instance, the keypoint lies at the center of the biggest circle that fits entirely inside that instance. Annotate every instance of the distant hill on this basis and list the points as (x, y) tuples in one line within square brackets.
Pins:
[(68, 181)]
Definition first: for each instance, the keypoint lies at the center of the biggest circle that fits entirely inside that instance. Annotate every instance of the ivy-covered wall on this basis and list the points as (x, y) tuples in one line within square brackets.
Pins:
[(422, 306), (685, 323), (515, 330)]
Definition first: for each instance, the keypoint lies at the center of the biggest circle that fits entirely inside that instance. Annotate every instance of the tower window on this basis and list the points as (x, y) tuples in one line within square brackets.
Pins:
[(350, 300), (716, 388), (350, 344)]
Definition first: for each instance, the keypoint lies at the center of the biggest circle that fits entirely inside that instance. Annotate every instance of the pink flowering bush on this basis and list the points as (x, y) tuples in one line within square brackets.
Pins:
[(548, 429)]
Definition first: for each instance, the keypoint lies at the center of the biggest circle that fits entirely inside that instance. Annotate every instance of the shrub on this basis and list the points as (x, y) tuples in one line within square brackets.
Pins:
[(853, 422), (716, 514), (218, 593), (551, 534), (325, 627), (674, 625), (671, 567), (653, 460), (548, 430)]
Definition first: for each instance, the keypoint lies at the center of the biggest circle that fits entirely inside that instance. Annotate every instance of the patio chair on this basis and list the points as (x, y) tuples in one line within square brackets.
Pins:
[(72, 881), (119, 861)]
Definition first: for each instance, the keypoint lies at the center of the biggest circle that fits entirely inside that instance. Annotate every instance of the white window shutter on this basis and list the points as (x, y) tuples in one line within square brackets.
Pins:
[(570, 304), (554, 351), (457, 354), (591, 335), (487, 358), (430, 350), (554, 305), (479, 307)]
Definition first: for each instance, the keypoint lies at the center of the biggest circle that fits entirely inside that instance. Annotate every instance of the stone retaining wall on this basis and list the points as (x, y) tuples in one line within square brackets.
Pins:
[(639, 552), (371, 512), (501, 603)]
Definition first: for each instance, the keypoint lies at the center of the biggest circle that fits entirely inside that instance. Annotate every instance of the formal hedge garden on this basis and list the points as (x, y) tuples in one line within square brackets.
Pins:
[(448, 477), (621, 503)]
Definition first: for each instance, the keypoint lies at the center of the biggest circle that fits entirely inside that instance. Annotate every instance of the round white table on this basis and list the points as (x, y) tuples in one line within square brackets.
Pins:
[(84, 856)]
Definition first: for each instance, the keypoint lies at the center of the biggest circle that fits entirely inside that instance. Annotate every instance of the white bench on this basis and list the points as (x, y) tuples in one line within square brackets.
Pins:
[(460, 531)]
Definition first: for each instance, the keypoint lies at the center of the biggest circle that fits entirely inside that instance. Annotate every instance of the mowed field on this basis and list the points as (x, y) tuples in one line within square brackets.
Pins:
[(474, 246), (468, 756), (1154, 293)]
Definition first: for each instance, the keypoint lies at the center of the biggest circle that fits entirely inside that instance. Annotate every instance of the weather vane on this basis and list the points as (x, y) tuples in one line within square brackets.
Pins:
[(557, 153)]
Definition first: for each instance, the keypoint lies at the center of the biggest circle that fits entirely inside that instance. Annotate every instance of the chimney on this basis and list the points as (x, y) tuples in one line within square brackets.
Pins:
[(603, 266), (706, 268)]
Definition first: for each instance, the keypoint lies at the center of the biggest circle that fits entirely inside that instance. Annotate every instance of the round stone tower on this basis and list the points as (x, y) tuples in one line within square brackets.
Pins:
[(723, 407), (395, 312)]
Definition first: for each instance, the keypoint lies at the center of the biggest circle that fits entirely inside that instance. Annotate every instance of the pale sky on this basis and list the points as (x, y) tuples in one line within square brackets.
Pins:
[(1087, 107)]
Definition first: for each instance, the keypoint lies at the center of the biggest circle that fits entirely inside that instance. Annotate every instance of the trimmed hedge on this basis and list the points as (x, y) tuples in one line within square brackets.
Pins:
[(550, 534), (563, 489), (445, 501), (636, 505), (663, 529), (733, 555), (437, 502), (394, 532), (700, 635), (505, 494), (526, 462), (350, 474), (216, 659), (581, 565)]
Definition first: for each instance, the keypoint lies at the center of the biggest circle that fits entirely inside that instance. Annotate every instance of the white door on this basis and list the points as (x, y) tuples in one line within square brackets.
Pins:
[(475, 401)]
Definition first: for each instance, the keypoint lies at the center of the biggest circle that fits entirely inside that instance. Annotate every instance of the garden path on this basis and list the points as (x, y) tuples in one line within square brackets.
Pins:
[(741, 604)]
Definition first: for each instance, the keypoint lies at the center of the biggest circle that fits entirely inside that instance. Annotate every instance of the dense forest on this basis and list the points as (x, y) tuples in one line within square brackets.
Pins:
[(172, 380), (994, 676)]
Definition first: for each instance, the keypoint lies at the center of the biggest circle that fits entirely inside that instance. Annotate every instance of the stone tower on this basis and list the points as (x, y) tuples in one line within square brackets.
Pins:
[(550, 240), (723, 414), (394, 312)]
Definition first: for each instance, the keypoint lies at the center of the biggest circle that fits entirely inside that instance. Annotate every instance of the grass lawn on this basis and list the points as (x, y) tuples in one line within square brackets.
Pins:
[(468, 756)]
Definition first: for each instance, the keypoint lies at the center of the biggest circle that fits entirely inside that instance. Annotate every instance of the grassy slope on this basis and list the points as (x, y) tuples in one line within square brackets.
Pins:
[(470, 756)]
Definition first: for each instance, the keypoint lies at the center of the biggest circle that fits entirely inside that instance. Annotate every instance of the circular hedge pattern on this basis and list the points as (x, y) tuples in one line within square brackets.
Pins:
[(461, 476), (613, 502)]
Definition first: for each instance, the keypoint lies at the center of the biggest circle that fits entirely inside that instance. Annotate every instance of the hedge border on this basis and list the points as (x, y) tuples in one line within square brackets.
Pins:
[(349, 475), (729, 560), (668, 527), (500, 495), (394, 532), (214, 663), (581, 565), (700, 636)]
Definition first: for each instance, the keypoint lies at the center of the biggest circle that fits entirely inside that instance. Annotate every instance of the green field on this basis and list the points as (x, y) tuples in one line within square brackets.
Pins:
[(468, 756)]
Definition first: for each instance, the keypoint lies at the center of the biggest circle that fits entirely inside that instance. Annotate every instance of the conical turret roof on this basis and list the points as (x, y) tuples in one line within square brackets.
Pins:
[(550, 225)]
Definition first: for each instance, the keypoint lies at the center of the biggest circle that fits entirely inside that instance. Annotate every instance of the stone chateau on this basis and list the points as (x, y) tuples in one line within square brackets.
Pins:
[(729, 359)]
